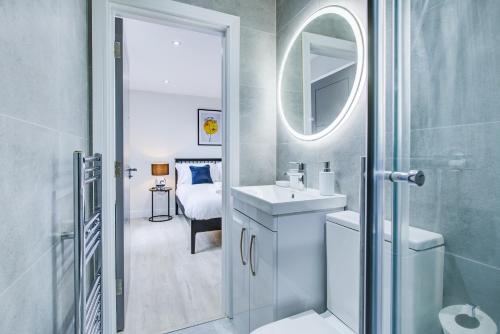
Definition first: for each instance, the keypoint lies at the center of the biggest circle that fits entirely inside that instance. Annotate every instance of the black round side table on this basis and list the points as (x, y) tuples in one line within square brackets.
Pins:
[(159, 218)]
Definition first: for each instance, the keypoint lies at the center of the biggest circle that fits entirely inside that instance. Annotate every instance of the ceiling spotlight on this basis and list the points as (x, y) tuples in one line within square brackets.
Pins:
[(165, 82), (176, 43)]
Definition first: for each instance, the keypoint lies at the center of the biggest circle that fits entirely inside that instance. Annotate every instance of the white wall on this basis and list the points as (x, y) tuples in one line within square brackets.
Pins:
[(163, 127)]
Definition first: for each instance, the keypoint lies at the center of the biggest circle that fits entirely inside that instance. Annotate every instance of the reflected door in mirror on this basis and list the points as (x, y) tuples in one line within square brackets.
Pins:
[(328, 97)]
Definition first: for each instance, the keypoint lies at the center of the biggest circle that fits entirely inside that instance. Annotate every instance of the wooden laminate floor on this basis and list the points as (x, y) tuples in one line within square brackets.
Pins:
[(169, 288)]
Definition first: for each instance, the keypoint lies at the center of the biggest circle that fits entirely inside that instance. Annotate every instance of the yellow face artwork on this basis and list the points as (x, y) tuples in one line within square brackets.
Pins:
[(210, 126)]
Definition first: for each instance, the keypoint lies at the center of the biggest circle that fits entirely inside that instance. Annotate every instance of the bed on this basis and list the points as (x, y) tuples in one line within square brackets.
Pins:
[(201, 204)]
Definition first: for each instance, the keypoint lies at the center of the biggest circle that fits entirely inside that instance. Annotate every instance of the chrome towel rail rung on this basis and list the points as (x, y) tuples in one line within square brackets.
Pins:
[(91, 226), (91, 230), (95, 216), (93, 326), (96, 173), (92, 158), (95, 288), (91, 239), (92, 179), (93, 311), (96, 327), (91, 249), (93, 169)]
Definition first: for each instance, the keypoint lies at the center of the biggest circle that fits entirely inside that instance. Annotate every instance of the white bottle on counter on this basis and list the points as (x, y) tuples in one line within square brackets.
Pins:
[(326, 180)]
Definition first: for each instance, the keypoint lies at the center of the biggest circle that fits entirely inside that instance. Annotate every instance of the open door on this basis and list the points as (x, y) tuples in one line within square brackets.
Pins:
[(123, 174)]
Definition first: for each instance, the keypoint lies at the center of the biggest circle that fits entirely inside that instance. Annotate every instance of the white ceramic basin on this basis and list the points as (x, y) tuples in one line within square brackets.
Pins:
[(278, 200)]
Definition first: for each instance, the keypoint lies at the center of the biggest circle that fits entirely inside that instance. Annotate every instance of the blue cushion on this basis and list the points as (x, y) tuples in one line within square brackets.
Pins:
[(200, 174)]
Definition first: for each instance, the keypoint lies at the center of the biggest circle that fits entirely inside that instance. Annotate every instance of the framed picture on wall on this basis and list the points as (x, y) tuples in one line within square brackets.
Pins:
[(209, 127)]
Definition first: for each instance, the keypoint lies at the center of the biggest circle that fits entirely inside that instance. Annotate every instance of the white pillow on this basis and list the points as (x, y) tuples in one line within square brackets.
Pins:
[(184, 175), (216, 171)]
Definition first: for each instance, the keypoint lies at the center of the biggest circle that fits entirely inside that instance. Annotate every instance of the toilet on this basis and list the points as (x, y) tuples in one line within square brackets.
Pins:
[(423, 283)]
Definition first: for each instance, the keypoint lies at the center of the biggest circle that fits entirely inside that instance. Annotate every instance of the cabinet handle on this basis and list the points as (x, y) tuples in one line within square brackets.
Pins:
[(251, 257), (241, 246)]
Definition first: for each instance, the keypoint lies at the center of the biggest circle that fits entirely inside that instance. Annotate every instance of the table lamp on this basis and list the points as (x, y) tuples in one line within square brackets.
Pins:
[(160, 169)]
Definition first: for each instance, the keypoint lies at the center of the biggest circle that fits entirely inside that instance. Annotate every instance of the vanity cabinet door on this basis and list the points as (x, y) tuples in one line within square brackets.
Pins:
[(262, 265), (240, 245)]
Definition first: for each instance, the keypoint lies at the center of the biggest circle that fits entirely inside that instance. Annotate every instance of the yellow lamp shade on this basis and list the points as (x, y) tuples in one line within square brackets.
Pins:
[(160, 169)]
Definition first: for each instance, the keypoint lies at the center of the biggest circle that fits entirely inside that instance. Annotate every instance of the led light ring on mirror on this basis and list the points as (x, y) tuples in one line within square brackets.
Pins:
[(359, 78)]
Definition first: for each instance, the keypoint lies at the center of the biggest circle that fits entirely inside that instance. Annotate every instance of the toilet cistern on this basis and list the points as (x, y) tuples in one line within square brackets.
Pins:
[(297, 175)]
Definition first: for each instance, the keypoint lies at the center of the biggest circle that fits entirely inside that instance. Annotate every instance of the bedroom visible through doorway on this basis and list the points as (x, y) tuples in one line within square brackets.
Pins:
[(169, 183)]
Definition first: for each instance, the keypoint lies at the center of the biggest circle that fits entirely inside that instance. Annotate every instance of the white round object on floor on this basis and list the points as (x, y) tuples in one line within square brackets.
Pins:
[(456, 319)]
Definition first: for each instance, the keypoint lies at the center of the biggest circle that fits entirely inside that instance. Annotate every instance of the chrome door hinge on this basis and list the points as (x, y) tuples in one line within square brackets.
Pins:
[(118, 50), (118, 169), (119, 286)]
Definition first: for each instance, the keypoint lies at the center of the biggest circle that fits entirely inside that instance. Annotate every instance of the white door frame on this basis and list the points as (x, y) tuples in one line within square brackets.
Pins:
[(103, 116)]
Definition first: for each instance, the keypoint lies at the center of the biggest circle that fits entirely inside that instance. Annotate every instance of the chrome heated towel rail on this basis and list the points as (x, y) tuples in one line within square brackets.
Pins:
[(87, 174)]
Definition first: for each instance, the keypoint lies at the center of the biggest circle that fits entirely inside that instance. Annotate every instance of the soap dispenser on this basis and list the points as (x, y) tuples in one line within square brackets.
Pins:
[(326, 180)]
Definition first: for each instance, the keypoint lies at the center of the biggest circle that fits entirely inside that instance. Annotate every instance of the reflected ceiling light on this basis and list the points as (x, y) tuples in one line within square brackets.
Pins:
[(176, 43), (166, 82)]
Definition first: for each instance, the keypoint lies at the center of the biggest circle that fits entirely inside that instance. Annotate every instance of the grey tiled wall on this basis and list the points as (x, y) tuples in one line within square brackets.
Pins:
[(456, 120), (43, 119), (347, 144), (257, 85)]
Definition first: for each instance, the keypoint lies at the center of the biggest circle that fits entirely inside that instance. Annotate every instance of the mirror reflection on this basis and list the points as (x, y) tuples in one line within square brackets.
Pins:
[(319, 74)]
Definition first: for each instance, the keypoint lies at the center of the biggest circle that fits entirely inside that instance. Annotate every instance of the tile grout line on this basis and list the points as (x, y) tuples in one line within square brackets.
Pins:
[(196, 325), (473, 261), (41, 126), (29, 268), (455, 126)]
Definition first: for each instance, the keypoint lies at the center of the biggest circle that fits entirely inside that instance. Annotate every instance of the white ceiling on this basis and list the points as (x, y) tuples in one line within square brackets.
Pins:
[(193, 68)]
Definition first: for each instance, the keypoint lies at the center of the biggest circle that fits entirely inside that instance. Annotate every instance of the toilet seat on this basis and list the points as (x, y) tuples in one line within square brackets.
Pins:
[(307, 322)]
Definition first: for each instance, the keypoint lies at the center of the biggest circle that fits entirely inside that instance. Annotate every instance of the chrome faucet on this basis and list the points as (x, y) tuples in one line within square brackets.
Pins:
[(297, 175)]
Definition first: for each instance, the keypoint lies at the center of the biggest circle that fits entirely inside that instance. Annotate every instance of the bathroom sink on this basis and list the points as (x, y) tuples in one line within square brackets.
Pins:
[(276, 200)]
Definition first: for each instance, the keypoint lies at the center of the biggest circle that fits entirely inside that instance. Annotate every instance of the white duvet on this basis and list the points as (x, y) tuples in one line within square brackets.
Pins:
[(201, 201)]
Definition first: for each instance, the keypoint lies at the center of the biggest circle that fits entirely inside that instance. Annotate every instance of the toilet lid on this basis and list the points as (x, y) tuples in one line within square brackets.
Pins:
[(307, 322)]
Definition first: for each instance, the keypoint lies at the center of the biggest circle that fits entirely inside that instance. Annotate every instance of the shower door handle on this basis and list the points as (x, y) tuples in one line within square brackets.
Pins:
[(413, 177)]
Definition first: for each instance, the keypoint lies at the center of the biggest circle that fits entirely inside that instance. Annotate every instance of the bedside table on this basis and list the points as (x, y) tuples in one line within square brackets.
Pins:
[(160, 218)]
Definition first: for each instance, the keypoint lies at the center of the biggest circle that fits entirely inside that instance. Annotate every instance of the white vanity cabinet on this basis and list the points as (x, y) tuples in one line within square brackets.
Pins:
[(278, 259), (254, 271)]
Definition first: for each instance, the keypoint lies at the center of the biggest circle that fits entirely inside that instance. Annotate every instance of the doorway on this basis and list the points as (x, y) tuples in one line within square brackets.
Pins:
[(169, 262), (174, 14)]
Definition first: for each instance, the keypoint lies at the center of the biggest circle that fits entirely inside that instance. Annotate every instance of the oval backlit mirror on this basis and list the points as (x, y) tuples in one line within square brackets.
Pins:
[(322, 73)]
